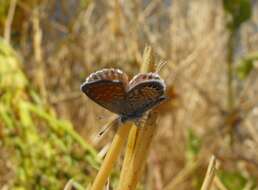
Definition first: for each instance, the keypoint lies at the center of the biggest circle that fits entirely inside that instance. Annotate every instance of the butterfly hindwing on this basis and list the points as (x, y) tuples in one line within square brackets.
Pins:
[(145, 91)]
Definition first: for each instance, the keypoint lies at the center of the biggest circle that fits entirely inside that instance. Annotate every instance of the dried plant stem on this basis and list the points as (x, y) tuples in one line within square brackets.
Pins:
[(139, 139), (116, 18), (69, 185), (148, 61), (219, 184), (230, 73), (37, 42), (129, 152), (183, 175), (111, 156), (230, 81), (9, 20), (137, 153), (210, 173)]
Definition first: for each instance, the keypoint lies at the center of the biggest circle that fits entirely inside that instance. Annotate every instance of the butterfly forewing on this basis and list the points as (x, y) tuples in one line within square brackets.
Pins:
[(110, 75), (107, 88)]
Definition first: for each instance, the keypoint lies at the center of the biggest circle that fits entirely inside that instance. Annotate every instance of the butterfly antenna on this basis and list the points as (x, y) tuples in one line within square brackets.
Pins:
[(108, 126), (160, 65)]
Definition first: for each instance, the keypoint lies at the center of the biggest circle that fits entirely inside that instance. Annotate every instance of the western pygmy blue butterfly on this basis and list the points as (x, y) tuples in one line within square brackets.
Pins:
[(111, 89)]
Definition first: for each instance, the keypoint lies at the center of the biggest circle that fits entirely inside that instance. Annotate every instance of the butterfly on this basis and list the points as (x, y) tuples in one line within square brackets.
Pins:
[(111, 89)]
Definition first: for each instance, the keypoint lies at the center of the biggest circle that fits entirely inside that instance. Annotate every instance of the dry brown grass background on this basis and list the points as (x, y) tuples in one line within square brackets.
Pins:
[(62, 42)]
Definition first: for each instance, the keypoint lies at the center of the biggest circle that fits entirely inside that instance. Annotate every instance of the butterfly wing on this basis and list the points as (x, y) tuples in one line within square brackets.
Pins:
[(145, 91), (107, 88), (109, 94)]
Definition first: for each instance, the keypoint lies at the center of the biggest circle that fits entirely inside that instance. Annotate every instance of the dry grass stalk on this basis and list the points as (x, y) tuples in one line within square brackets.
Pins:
[(218, 183), (129, 153), (69, 185), (115, 18), (139, 140), (148, 61), (111, 157), (210, 174), (9, 20), (183, 175), (38, 56), (138, 154)]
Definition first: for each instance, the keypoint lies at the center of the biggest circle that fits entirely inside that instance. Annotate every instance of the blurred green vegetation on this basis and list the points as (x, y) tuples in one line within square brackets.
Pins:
[(236, 180), (239, 10), (245, 66), (43, 152)]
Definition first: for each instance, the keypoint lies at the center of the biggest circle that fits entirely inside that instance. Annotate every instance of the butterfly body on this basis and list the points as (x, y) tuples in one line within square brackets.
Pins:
[(111, 89)]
